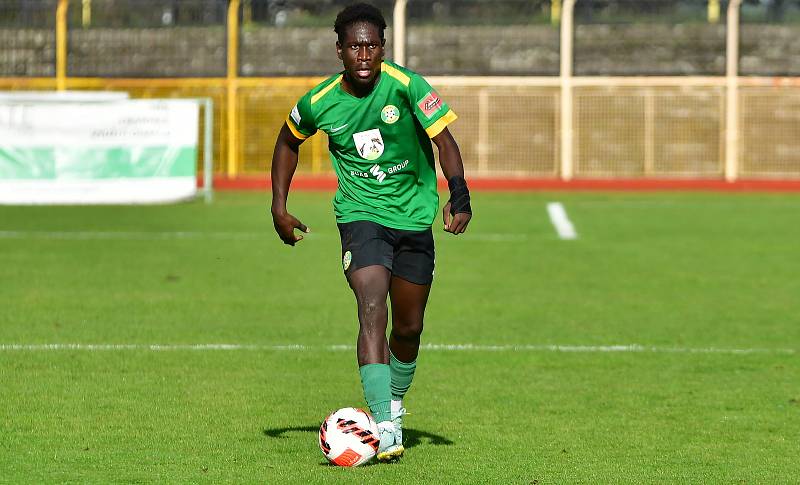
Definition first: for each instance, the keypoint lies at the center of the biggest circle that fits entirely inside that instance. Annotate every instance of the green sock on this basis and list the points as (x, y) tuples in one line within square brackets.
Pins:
[(402, 374), (375, 381)]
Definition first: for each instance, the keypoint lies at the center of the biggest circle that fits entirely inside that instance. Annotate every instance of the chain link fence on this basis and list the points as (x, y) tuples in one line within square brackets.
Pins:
[(649, 131), (770, 132), (508, 131), (262, 111)]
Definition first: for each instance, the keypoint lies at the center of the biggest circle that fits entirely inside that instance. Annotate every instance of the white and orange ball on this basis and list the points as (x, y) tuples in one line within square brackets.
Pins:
[(349, 437)]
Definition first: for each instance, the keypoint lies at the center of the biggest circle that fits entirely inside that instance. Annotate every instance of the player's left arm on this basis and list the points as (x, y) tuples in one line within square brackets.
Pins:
[(457, 213)]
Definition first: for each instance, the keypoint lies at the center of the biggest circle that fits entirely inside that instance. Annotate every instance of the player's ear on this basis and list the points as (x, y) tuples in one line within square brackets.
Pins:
[(338, 49)]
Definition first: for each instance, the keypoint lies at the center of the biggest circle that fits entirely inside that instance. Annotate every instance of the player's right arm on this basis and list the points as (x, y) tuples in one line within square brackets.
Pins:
[(284, 164), (299, 125)]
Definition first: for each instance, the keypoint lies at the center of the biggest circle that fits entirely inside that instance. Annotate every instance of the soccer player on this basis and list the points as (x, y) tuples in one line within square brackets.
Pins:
[(380, 119)]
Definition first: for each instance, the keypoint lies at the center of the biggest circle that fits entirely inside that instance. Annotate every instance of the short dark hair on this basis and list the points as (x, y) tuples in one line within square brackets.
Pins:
[(358, 12)]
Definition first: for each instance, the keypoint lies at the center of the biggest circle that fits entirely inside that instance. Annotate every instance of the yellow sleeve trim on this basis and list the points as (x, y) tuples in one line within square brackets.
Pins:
[(396, 73), (295, 131), (325, 90), (441, 124)]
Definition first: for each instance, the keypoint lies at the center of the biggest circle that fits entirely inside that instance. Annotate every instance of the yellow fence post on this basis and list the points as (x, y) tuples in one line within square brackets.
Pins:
[(232, 81), (713, 11), (61, 44), (247, 13), (86, 13), (567, 109), (483, 131), (399, 29), (649, 132), (555, 12), (732, 93)]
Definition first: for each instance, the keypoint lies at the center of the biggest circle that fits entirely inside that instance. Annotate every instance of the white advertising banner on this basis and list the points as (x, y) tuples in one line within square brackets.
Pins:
[(68, 96), (115, 152)]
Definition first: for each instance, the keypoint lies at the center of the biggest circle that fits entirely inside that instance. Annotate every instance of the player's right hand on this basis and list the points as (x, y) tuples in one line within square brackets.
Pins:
[(285, 224)]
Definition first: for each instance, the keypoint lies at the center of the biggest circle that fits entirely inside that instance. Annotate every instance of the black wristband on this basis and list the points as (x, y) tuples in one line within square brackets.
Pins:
[(459, 195)]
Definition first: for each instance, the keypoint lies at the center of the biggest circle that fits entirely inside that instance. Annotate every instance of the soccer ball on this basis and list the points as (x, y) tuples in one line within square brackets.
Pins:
[(349, 437)]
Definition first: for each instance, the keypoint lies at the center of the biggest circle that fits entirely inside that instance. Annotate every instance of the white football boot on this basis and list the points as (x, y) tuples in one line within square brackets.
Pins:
[(390, 448), (398, 411)]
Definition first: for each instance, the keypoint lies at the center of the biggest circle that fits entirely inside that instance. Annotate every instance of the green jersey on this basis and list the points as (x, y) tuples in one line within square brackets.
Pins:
[(379, 145)]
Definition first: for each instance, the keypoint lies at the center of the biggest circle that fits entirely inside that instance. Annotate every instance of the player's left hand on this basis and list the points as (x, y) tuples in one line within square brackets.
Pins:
[(455, 223)]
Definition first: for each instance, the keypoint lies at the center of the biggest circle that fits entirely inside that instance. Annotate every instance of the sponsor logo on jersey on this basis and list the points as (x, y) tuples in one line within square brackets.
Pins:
[(334, 130), (369, 143), (347, 259), (390, 114), (430, 104), (398, 167), (296, 115), (378, 173)]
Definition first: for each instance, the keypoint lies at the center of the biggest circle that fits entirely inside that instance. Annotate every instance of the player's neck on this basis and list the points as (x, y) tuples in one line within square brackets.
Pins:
[(356, 90)]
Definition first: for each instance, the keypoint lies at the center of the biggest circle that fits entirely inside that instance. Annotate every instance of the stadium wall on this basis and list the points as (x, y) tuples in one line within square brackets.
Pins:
[(692, 50), (635, 124)]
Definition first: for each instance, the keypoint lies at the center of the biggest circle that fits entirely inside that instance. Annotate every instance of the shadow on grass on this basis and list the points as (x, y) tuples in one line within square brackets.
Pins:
[(411, 437)]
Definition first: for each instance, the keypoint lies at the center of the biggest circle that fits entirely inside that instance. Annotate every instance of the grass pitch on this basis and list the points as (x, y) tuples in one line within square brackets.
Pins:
[(659, 347)]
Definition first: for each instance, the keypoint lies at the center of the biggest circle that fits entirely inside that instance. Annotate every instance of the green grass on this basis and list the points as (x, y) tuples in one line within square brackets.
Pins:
[(670, 271)]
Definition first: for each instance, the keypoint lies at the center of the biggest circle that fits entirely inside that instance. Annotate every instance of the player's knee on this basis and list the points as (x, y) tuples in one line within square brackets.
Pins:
[(407, 329)]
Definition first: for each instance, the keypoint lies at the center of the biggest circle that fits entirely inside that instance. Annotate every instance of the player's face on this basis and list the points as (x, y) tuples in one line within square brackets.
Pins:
[(361, 52)]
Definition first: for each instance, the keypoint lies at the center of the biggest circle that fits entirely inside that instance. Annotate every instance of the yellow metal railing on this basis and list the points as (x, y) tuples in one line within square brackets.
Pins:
[(61, 44), (232, 84)]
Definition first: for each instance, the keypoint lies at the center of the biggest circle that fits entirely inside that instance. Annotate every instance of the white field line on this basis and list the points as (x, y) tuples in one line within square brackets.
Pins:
[(126, 235), (634, 348), (147, 235), (558, 216)]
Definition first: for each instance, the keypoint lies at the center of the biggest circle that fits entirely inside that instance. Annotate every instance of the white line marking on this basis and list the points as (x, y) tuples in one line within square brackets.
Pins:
[(145, 236), (492, 237), (558, 216), (127, 235), (633, 348)]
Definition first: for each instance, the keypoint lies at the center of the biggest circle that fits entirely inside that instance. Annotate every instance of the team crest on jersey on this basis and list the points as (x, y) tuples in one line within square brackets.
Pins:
[(369, 143), (390, 114), (347, 259)]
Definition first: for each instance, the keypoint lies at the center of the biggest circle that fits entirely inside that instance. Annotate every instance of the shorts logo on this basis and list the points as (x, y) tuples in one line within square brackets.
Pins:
[(390, 114), (347, 259), (369, 143), (430, 104), (296, 115)]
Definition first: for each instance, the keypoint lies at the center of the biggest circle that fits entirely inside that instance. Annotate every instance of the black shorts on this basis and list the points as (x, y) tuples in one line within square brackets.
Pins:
[(407, 254)]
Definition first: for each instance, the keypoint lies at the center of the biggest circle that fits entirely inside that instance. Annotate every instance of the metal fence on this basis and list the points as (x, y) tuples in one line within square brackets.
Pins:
[(544, 88)]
